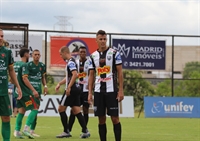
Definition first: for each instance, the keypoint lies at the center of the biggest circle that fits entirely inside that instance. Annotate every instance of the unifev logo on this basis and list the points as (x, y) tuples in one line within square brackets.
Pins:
[(178, 107), (124, 51)]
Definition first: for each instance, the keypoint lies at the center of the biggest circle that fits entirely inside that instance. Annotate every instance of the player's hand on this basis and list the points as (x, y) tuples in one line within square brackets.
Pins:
[(57, 87), (90, 98), (35, 93), (120, 95), (45, 91), (68, 91), (19, 91)]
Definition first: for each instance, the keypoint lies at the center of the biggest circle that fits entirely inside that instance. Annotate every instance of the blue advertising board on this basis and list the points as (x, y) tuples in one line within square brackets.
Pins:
[(187, 107), (141, 54)]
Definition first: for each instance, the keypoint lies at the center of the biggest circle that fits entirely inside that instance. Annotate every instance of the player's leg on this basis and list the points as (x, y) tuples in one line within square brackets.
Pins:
[(85, 107), (71, 120), (33, 125), (63, 116), (30, 104), (113, 111), (14, 107), (5, 112), (100, 111), (21, 111)]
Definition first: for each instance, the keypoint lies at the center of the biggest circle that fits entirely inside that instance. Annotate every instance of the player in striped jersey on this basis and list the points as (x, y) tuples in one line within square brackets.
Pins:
[(83, 64), (71, 96), (105, 70)]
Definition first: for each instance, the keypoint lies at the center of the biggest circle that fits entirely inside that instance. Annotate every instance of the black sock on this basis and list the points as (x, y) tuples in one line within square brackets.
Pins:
[(82, 122), (118, 131), (63, 117), (102, 132), (86, 118), (71, 121)]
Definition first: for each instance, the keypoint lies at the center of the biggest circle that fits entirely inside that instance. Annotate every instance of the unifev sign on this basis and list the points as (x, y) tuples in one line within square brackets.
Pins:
[(172, 107), (141, 54), (16, 43), (50, 104)]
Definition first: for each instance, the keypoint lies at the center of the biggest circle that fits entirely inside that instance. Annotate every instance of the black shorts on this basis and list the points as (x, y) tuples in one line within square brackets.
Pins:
[(84, 99), (106, 102), (72, 100)]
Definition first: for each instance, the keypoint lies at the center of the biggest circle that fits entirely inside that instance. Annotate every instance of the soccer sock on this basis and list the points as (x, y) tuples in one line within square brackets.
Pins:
[(31, 117), (63, 117), (71, 121), (33, 125), (86, 118), (102, 132), (118, 131), (18, 123), (82, 122), (5, 131)]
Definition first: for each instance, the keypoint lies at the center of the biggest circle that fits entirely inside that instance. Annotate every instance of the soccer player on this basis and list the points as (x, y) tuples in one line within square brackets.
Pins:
[(36, 76), (6, 66), (27, 101), (71, 96), (83, 64), (106, 69)]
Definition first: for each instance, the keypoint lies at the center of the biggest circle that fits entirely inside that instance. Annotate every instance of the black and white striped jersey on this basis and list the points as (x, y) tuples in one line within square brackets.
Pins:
[(70, 66), (104, 64), (83, 71)]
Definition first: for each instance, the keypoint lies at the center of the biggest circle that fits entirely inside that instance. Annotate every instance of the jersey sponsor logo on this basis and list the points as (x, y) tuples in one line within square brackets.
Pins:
[(102, 60), (104, 79), (103, 70), (82, 75), (2, 65), (83, 82), (118, 57), (71, 65), (28, 103)]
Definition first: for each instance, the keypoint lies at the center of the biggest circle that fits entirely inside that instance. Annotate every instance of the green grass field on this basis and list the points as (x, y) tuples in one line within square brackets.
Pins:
[(133, 129)]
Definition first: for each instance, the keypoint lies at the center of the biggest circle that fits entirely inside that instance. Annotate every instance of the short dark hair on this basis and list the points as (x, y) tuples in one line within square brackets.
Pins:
[(23, 51), (101, 32), (36, 50), (82, 47)]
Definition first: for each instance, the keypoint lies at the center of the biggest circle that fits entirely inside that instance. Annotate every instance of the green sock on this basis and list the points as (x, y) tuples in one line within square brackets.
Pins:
[(31, 117), (18, 123), (5, 131), (34, 124)]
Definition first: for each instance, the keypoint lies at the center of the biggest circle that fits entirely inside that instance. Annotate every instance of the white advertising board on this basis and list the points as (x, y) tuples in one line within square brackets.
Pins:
[(50, 104)]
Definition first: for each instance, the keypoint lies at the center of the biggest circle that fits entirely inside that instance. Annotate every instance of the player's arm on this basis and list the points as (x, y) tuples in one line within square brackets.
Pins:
[(90, 85), (44, 84), (118, 63), (28, 84), (60, 83), (72, 81), (12, 74)]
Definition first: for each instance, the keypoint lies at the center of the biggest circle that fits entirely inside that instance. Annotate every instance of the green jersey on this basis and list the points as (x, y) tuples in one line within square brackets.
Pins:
[(36, 73), (21, 72), (6, 59)]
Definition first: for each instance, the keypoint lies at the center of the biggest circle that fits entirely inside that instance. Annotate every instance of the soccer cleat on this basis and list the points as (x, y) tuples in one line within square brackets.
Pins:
[(28, 134), (34, 134), (85, 135), (18, 135), (64, 135)]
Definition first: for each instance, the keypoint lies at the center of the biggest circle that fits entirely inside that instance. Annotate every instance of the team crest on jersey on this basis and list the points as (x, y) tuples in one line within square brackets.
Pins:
[(109, 58), (103, 70), (82, 75), (3, 55)]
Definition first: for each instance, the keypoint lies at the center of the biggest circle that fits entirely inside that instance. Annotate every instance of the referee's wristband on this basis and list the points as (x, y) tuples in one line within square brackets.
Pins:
[(45, 86)]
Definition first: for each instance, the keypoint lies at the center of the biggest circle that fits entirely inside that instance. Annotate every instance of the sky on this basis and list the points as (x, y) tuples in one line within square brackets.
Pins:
[(113, 16)]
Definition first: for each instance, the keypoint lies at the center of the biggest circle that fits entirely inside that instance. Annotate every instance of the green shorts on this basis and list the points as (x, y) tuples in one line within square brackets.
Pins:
[(26, 102), (5, 108), (37, 100)]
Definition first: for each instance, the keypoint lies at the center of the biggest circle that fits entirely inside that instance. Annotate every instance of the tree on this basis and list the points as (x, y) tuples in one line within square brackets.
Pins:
[(136, 86)]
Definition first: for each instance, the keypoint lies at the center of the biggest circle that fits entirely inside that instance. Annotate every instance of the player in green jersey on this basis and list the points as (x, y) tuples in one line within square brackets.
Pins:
[(27, 101), (6, 66), (37, 71)]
